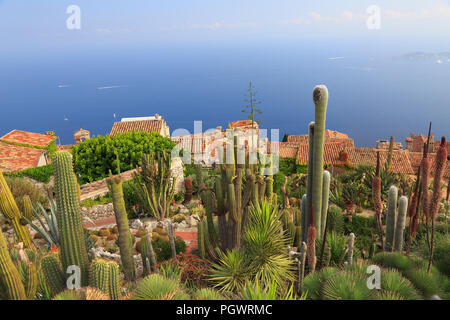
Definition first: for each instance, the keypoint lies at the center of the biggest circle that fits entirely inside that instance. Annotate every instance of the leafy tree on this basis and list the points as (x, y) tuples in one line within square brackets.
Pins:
[(96, 157)]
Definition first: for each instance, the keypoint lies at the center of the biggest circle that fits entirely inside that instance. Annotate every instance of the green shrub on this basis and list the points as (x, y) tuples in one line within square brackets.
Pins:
[(21, 187), (313, 282), (100, 200), (347, 286), (394, 282), (163, 251), (393, 260), (157, 287), (41, 174), (361, 226), (335, 219), (94, 158), (131, 198), (441, 256)]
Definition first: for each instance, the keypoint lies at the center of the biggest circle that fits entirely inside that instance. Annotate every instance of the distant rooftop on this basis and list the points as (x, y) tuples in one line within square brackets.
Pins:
[(28, 138), (155, 117)]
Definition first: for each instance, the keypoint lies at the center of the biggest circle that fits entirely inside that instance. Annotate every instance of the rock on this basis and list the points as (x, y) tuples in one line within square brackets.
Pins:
[(137, 224), (193, 220)]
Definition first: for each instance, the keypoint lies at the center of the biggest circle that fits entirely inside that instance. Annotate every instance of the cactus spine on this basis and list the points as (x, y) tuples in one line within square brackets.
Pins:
[(9, 208), (125, 239), (400, 226), (54, 277), (104, 275), (170, 232), (320, 98), (72, 243), (9, 276), (351, 242), (391, 218), (31, 281)]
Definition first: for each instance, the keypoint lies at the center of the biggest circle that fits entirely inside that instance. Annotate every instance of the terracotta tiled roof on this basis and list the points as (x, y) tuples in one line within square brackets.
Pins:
[(285, 149), (16, 158), (400, 160), (143, 125), (416, 157), (243, 123), (330, 136), (331, 152), (28, 138)]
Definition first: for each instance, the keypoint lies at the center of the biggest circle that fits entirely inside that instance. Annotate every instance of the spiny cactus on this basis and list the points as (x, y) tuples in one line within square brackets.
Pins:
[(9, 276), (104, 275), (148, 255), (400, 225), (311, 244), (72, 243), (125, 238), (391, 218), (31, 281), (9, 208), (320, 98), (54, 277), (302, 261), (376, 197), (171, 233), (325, 198), (351, 243)]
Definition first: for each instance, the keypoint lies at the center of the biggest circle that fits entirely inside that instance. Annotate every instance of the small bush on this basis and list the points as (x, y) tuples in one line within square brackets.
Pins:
[(361, 226), (41, 174), (335, 219), (163, 250), (21, 187)]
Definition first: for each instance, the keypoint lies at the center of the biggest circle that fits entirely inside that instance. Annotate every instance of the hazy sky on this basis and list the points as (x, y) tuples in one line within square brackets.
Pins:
[(42, 24)]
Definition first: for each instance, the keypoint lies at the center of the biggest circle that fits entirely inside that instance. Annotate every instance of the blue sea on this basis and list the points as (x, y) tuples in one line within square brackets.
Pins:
[(371, 95)]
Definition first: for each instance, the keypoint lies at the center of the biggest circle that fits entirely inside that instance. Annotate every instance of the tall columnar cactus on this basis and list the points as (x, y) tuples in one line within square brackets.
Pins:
[(320, 98), (31, 281), (325, 197), (391, 151), (304, 219), (54, 277), (351, 243), (171, 233), (104, 275), (309, 182), (9, 208), (302, 261), (376, 197), (125, 238), (311, 244), (148, 255), (391, 218), (400, 225), (72, 243), (9, 276)]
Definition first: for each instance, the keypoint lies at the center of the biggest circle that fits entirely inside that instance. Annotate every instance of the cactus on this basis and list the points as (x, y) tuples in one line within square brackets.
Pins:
[(148, 255), (154, 184), (391, 218), (301, 271), (9, 275), (189, 189), (400, 226), (72, 242), (54, 277), (170, 232), (376, 197), (320, 98), (325, 198), (309, 182), (311, 244), (31, 281), (9, 208), (104, 275), (351, 242), (391, 151), (125, 239)]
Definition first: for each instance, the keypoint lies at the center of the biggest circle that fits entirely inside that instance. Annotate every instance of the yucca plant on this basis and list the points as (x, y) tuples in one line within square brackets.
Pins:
[(208, 294), (231, 271), (337, 244), (157, 287), (264, 245), (256, 291), (347, 286)]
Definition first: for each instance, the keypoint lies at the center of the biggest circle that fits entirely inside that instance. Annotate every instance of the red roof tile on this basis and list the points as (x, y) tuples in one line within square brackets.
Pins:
[(28, 138), (416, 157), (16, 158), (142, 125)]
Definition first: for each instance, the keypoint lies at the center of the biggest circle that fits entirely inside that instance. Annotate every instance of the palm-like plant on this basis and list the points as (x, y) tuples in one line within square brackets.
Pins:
[(231, 272), (254, 291), (49, 229), (265, 244)]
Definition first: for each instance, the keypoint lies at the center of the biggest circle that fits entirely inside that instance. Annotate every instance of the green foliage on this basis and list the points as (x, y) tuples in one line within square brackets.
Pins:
[(255, 291), (393, 281), (335, 219), (157, 287), (361, 226), (100, 200), (337, 243), (393, 260), (427, 283), (231, 273), (312, 284), (171, 271), (163, 251), (208, 294), (41, 174), (20, 187), (94, 158), (347, 286)]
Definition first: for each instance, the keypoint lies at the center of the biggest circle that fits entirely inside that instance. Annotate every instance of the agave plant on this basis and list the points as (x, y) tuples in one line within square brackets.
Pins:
[(256, 291), (49, 229), (231, 272)]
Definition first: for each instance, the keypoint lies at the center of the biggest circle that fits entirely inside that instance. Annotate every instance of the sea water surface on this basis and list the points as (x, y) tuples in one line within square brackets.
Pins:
[(371, 95)]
